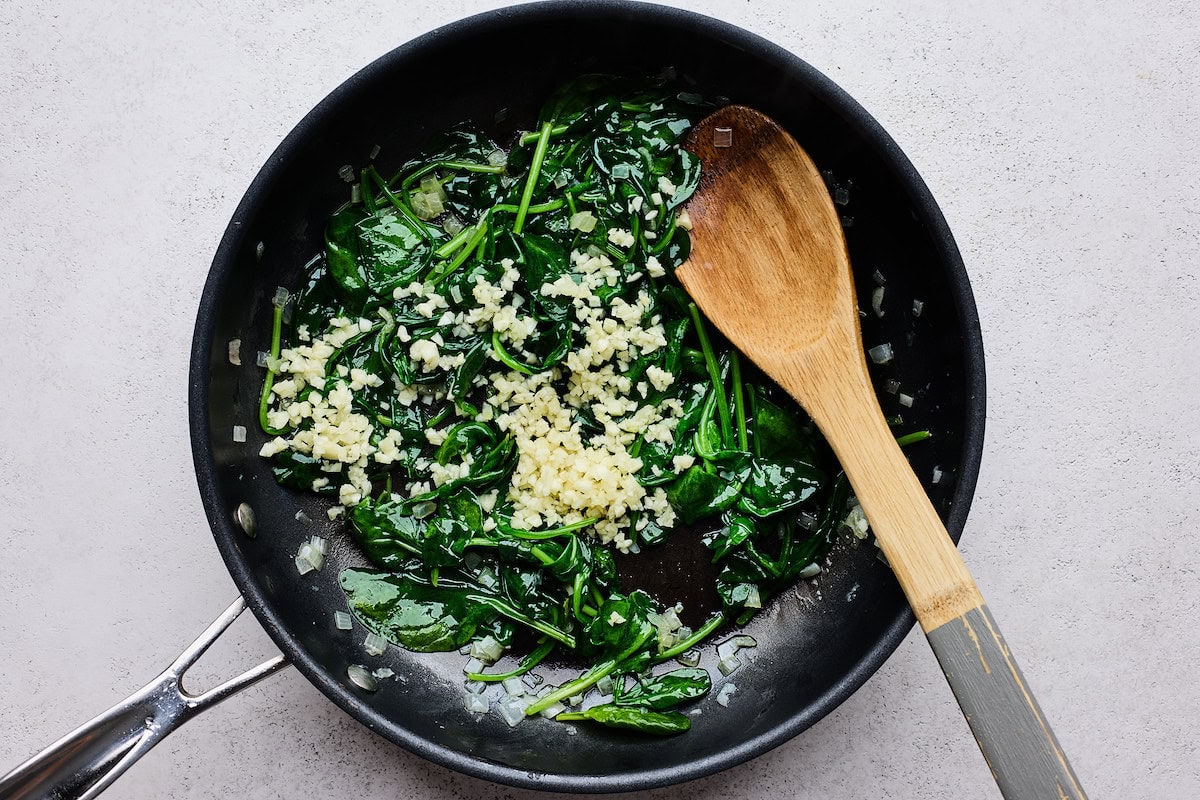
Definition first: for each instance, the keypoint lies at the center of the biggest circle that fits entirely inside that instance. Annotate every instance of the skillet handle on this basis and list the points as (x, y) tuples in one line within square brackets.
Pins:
[(86, 761)]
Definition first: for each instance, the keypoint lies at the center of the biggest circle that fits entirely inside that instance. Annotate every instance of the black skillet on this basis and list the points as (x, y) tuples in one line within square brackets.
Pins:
[(817, 644)]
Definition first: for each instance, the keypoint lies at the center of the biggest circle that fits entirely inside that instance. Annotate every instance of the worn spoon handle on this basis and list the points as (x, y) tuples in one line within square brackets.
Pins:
[(1012, 732)]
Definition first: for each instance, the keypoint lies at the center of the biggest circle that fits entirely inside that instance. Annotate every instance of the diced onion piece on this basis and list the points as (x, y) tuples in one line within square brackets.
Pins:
[(431, 186), (856, 521), (808, 520), (473, 665), (725, 694), (302, 517), (342, 621), (877, 301), (937, 474), (356, 193), (878, 276), (487, 578), (727, 666), (512, 710), (476, 703), (918, 307), (303, 565), (753, 600), (497, 158), (318, 545), (513, 687), (811, 571), (730, 646), (532, 679), (891, 386), (583, 221), (575, 699), (671, 617), (384, 672), (906, 400), (362, 677), (689, 659), (560, 180), (346, 173), (259, 249), (882, 354), (374, 644), (475, 687), (487, 650), (552, 711), (239, 433), (260, 359), (841, 196), (235, 352), (281, 297), (605, 685), (423, 510), (309, 556), (374, 153)]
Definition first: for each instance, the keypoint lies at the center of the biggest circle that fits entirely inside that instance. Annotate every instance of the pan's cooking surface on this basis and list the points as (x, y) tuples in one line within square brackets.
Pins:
[(816, 643)]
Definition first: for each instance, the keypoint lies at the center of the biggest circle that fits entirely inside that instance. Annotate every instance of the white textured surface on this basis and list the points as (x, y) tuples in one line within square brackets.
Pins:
[(1062, 146)]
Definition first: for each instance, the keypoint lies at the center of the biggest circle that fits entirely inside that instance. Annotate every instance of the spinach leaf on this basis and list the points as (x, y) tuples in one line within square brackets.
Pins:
[(299, 471), (413, 614), (775, 485), (387, 532), (661, 692), (655, 723)]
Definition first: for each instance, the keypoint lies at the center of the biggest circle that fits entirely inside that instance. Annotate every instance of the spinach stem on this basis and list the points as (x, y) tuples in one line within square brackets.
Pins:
[(535, 168), (549, 205), (739, 401), (455, 242), (542, 627), (529, 662), (264, 403), (533, 136), (572, 688), (714, 373), (425, 169), (364, 189), (399, 204), (478, 232), (913, 438), (702, 633), (551, 533)]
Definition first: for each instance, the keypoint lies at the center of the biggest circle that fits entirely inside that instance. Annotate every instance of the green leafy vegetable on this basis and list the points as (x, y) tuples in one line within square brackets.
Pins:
[(471, 268), (655, 723)]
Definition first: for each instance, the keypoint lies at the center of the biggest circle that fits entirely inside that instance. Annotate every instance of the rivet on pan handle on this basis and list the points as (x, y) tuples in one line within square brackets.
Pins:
[(86, 761)]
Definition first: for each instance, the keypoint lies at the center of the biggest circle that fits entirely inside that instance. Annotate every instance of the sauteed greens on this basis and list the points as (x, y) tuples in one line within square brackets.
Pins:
[(493, 370)]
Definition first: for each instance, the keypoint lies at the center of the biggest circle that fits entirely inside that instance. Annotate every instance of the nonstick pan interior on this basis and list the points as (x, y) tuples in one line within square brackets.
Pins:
[(817, 643)]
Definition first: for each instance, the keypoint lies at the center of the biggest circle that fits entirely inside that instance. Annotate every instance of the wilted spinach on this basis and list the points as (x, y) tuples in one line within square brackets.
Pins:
[(745, 463)]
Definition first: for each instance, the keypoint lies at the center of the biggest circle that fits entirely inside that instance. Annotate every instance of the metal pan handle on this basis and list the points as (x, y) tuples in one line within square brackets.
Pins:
[(86, 761)]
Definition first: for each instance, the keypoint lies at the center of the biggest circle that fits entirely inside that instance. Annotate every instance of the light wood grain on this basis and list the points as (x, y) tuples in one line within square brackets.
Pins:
[(769, 267)]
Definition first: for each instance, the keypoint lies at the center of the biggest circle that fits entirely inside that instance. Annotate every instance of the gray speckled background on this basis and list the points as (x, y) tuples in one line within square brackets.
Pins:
[(1062, 145)]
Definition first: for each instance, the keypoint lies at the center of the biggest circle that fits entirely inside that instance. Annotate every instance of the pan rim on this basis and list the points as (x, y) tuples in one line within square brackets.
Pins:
[(222, 524)]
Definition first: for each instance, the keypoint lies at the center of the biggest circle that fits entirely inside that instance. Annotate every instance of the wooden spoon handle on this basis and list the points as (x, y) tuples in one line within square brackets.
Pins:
[(1016, 740)]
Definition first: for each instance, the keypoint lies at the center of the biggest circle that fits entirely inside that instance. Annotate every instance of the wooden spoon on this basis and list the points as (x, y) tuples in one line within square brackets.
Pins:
[(769, 267)]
